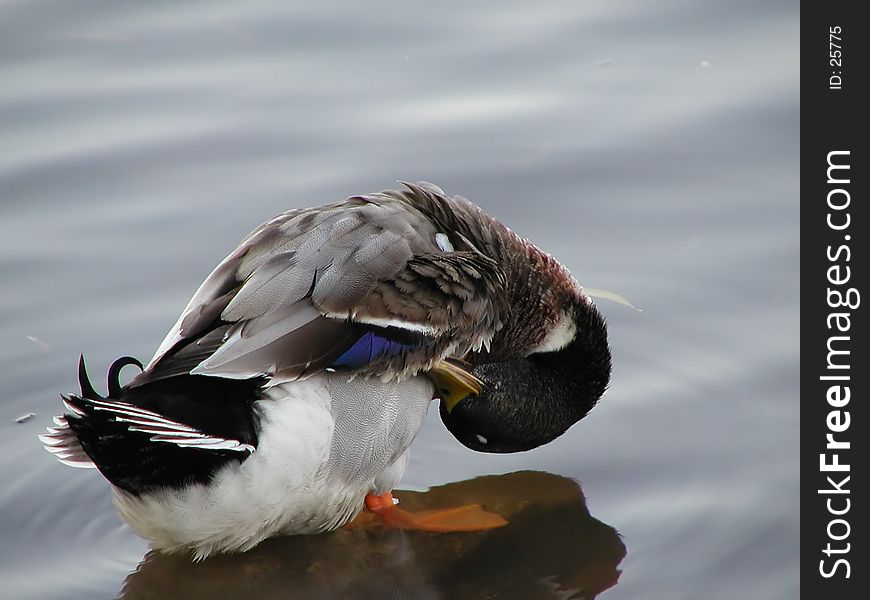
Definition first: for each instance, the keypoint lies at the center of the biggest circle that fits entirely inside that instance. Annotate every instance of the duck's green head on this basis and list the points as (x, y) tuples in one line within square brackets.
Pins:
[(529, 400)]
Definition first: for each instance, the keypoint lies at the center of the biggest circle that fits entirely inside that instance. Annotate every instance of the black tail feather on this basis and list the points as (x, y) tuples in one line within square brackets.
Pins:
[(88, 390), (138, 455), (113, 380)]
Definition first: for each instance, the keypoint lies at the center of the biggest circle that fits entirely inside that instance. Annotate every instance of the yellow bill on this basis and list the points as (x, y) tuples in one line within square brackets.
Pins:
[(454, 381)]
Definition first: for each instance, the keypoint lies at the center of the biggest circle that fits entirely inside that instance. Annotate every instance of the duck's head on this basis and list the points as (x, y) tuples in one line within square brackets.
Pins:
[(540, 359), (537, 383)]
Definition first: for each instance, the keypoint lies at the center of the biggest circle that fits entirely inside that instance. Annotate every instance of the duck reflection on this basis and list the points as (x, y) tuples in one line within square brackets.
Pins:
[(552, 548)]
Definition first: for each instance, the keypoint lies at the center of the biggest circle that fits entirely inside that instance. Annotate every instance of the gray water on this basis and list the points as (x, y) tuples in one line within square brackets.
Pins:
[(650, 146)]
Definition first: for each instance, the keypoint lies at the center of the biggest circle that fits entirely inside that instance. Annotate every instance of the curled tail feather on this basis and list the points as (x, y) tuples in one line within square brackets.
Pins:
[(161, 434), (61, 440)]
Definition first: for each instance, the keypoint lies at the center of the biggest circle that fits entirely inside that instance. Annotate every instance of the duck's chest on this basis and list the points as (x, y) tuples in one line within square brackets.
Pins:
[(374, 423), (339, 430)]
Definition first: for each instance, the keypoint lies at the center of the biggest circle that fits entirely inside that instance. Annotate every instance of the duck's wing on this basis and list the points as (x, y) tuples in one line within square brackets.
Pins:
[(372, 283)]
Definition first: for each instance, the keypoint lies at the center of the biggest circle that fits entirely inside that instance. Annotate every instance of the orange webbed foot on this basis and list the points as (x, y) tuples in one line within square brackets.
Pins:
[(471, 517)]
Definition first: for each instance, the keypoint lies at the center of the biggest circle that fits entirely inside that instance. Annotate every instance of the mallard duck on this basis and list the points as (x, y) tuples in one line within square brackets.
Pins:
[(286, 396)]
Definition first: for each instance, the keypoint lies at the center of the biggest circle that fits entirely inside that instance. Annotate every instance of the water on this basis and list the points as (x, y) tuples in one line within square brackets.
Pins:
[(564, 548), (653, 148)]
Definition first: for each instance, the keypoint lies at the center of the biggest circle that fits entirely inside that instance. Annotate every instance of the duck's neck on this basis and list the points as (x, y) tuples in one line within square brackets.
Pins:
[(577, 375), (538, 290)]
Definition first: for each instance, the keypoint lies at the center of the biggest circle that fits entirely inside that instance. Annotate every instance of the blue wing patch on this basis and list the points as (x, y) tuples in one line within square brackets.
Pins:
[(368, 348), (378, 342)]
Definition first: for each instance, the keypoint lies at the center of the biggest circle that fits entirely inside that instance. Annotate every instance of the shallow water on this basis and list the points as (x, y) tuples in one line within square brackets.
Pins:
[(565, 550), (652, 147)]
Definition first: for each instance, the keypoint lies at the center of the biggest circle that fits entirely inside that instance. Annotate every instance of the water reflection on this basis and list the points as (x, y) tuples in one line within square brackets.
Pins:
[(552, 548)]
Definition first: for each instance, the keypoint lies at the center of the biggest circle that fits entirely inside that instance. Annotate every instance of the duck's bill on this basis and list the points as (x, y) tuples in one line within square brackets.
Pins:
[(454, 381)]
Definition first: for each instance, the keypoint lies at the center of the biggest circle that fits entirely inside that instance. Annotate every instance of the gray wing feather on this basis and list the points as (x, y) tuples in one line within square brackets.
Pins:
[(292, 295), (250, 337), (281, 281)]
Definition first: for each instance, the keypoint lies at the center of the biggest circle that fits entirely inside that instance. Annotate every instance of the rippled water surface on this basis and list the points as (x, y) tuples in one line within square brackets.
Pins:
[(651, 146)]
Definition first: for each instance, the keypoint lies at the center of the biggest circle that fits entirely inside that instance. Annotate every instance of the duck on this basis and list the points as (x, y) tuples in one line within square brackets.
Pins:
[(286, 396)]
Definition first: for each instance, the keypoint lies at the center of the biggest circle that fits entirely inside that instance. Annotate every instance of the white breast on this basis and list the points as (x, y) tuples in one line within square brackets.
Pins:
[(324, 443)]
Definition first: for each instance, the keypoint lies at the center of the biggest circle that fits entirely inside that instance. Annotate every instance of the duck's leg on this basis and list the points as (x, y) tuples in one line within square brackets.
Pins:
[(470, 517)]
